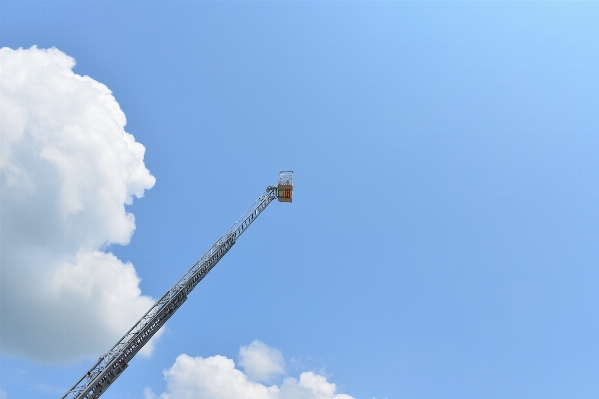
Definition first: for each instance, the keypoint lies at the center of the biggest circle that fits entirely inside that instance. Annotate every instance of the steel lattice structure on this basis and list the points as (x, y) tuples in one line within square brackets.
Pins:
[(110, 366)]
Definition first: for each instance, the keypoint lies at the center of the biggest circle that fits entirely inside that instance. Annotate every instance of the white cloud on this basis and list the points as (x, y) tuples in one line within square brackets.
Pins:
[(67, 169), (261, 362), (148, 394), (3, 394), (216, 377)]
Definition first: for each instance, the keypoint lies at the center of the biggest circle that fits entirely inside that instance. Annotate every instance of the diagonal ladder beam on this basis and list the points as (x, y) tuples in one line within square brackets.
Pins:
[(110, 366)]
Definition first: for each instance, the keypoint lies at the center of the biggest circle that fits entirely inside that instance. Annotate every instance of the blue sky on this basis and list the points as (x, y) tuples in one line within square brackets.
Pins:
[(443, 241)]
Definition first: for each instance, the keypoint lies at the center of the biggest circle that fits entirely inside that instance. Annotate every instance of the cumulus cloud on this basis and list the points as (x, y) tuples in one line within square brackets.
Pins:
[(216, 377), (261, 362), (67, 169)]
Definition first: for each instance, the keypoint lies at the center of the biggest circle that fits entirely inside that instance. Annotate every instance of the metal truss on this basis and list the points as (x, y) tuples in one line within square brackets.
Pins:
[(110, 366)]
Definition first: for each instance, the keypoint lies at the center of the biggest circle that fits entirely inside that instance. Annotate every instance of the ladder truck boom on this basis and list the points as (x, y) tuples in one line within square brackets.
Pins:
[(110, 366)]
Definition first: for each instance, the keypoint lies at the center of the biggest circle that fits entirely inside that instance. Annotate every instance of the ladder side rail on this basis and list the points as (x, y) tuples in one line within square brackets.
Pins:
[(146, 328), (103, 377), (234, 235), (150, 314), (105, 360), (109, 374), (268, 196), (163, 309)]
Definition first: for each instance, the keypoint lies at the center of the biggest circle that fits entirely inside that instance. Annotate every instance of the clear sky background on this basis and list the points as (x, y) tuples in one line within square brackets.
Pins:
[(443, 241)]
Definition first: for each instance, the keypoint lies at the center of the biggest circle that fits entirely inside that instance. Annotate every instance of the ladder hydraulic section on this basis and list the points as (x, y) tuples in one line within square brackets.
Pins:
[(110, 366)]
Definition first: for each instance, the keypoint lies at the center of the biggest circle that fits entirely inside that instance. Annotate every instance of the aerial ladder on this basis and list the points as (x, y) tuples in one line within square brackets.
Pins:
[(110, 366)]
